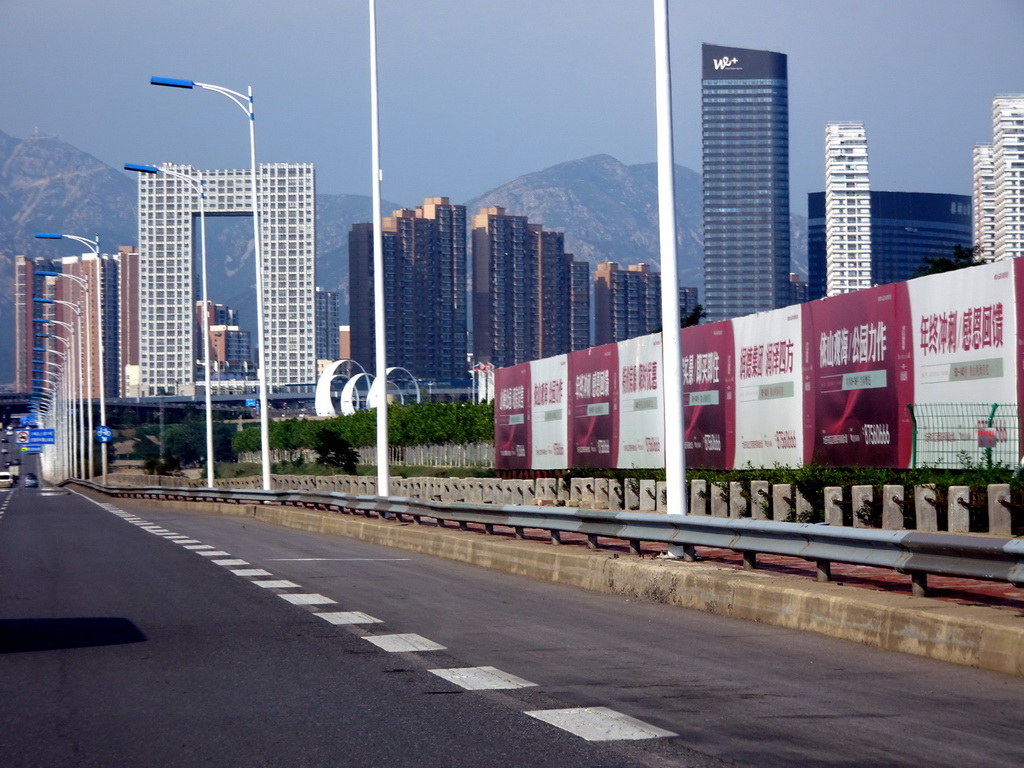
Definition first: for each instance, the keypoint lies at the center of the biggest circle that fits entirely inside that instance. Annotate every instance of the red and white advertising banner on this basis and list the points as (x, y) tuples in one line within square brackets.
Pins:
[(769, 380), (858, 379), (709, 401), (594, 407), (512, 397), (965, 337), (641, 403), (548, 412), (965, 348)]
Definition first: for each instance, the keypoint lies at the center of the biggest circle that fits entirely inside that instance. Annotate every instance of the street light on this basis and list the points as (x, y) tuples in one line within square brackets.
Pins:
[(246, 104), (64, 423), (196, 182), (94, 246), (74, 368), (84, 284)]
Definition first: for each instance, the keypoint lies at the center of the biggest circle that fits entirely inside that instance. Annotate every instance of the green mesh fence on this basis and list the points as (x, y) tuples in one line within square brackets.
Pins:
[(957, 435)]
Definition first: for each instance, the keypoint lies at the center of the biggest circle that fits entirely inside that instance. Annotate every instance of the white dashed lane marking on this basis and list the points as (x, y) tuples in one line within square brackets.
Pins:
[(482, 678), (251, 572), (275, 584), (348, 617), (307, 599), (407, 643), (599, 724)]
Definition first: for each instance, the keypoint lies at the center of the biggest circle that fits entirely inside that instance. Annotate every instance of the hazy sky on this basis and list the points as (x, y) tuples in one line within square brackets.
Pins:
[(476, 92)]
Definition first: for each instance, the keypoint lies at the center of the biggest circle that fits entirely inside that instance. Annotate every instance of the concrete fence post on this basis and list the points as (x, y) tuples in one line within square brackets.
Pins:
[(661, 500), (616, 496), (719, 501), (759, 499), (782, 505), (958, 515), (600, 499), (803, 506), (648, 496), (698, 497), (833, 508), (737, 501), (861, 495), (1000, 522), (924, 508), (892, 508)]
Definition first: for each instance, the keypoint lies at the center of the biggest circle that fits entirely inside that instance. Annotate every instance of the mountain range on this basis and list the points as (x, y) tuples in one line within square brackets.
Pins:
[(607, 210)]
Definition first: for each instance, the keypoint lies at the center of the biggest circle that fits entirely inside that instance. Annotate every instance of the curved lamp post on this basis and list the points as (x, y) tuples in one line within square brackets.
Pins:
[(73, 371), (246, 104), (94, 246), (196, 182)]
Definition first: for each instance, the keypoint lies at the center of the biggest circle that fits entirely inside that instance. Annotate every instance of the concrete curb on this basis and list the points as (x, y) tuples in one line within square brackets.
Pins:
[(976, 636)]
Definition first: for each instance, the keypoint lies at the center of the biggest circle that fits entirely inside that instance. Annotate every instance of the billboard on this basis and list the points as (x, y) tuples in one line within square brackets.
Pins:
[(857, 378), (594, 407), (769, 382), (641, 434), (512, 417), (548, 412), (709, 402)]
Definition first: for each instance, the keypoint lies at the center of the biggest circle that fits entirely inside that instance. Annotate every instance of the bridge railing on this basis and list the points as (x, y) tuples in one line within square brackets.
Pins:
[(915, 553)]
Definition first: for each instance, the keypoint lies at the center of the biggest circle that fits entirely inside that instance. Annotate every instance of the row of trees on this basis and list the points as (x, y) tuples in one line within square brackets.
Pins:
[(415, 424)]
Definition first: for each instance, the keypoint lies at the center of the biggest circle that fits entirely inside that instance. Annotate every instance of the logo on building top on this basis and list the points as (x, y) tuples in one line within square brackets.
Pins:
[(725, 62)]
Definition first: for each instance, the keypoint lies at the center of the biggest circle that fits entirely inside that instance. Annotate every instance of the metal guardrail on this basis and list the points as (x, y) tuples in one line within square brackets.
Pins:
[(919, 555)]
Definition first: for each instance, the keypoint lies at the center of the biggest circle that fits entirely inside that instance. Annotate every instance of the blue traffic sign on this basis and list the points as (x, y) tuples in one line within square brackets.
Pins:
[(251, 403), (37, 437), (104, 434)]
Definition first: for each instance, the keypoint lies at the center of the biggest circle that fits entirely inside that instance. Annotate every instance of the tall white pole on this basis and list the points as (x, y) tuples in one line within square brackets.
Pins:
[(260, 327), (100, 306), (206, 336), (671, 341), (383, 470)]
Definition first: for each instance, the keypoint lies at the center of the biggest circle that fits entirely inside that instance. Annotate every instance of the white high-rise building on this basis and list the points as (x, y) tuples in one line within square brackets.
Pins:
[(169, 270), (1008, 176), (847, 208), (983, 202)]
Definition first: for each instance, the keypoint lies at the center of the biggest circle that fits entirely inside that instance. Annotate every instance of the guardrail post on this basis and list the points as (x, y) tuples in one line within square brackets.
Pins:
[(959, 516), (919, 584), (1000, 522), (698, 497), (737, 502), (861, 496), (759, 499), (824, 570), (833, 510), (782, 495), (719, 501), (892, 508), (924, 508), (648, 495), (749, 561)]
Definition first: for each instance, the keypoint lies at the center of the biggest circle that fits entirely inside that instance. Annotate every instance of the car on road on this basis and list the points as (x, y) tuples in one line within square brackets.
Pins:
[(6, 479), (31, 481)]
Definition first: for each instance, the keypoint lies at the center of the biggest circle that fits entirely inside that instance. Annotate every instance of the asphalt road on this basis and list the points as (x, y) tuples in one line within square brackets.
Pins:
[(127, 641)]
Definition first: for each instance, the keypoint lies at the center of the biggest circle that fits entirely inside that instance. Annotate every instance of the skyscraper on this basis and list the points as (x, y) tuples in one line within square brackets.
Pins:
[(1008, 176), (328, 319), (168, 282), (627, 303), (847, 208), (531, 299), (425, 290), (745, 116)]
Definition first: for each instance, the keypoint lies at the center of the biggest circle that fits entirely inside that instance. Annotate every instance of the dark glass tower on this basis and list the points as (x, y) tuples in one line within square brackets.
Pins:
[(745, 115), (906, 229)]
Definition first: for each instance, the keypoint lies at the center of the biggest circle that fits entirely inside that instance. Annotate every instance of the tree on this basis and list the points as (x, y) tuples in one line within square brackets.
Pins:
[(694, 317), (961, 258), (334, 450)]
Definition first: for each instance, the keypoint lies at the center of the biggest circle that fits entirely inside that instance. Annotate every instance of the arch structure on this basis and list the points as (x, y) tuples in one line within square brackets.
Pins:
[(349, 399)]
